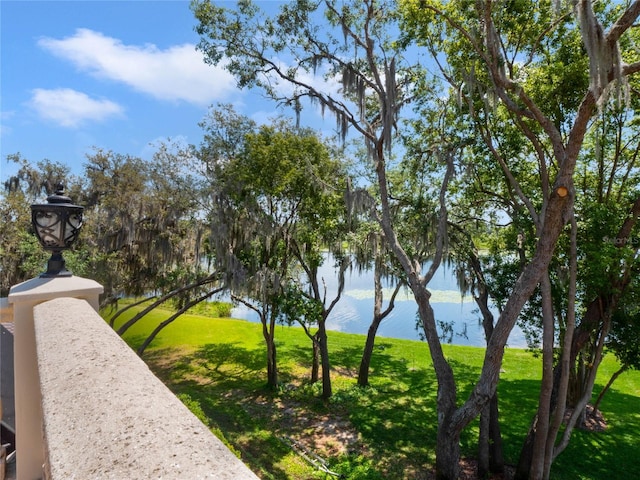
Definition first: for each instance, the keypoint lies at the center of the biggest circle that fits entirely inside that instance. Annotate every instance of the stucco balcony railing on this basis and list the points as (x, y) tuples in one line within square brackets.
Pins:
[(99, 412)]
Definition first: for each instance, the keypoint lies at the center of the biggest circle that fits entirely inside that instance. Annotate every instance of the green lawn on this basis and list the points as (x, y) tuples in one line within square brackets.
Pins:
[(217, 367)]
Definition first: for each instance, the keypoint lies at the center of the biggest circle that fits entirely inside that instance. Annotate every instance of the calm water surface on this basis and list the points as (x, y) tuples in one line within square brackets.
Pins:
[(354, 311)]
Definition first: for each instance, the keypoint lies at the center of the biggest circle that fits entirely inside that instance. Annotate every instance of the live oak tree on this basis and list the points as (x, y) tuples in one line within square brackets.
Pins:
[(369, 103), (493, 56), (136, 214), (144, 234), (347, 42), (114, 195), (140, 222), (140, 235), (276, 197), (244, 239)]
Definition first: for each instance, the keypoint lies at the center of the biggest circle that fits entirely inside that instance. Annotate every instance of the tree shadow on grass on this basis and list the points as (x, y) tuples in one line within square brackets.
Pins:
[(383, 364), (399, 412), (518, 403), (225, 382), (613, 453), (229, 363), (346, 360), (134, 341), (396, 417)]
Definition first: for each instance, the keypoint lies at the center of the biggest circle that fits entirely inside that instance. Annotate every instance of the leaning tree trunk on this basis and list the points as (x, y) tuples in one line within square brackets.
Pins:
[(112, 320), (378, 316), (606, 388), (171, 319), (199, 283), (365, 362)]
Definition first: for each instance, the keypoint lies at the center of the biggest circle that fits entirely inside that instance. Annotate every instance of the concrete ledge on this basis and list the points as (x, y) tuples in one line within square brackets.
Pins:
[(105, 415)]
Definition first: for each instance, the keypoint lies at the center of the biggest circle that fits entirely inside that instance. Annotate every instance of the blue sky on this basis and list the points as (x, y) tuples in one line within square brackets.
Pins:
[(116, 75)]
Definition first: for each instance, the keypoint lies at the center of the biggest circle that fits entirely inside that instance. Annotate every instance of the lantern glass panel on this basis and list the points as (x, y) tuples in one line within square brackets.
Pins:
[(46, 219), (72, 227), (75, 220), (50, 228)]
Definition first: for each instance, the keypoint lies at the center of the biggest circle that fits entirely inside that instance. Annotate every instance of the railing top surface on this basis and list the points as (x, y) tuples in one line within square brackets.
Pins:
[(39, 288), (106, 415)]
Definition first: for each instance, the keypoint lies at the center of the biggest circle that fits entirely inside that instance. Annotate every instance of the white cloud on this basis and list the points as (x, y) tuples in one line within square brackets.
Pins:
[(175, 74), (71, 108)]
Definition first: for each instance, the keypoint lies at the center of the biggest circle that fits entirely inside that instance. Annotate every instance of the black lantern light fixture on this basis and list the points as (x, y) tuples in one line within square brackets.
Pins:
[(57, 224)]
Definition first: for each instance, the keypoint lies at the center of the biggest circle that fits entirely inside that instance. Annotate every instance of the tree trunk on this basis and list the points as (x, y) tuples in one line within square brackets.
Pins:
[(448, 438), (613, 378), (496, 457), (365, 362), (378, 316), (580, 406), (324, 358), (268, 332), (447, 452), (537, 451), (483, 444), (272, 366), (536, 471), (268, 321), (526, 453), (601, 306), (490, 455), (112, 320), (124, 327), (315, 362), (170, 320), (560, 382)]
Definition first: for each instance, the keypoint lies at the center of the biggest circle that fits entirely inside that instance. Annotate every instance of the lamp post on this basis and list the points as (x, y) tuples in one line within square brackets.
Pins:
[(57, 225)]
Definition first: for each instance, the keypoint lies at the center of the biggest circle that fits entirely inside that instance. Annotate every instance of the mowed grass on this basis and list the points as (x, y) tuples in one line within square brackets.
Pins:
[(217, 367)]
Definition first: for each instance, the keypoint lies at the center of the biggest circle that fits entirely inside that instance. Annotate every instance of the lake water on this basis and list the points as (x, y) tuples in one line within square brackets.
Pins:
[(354, 311)]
